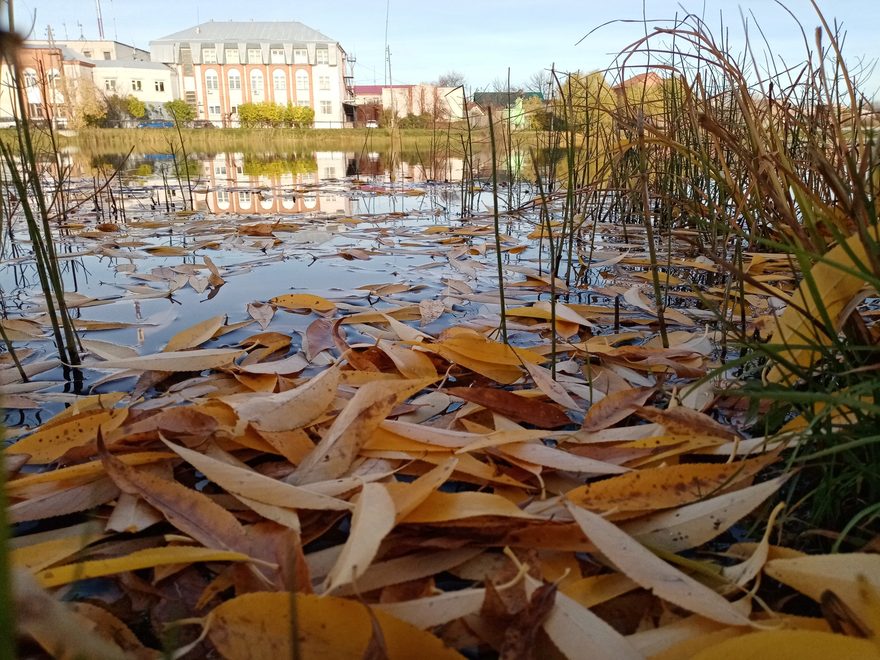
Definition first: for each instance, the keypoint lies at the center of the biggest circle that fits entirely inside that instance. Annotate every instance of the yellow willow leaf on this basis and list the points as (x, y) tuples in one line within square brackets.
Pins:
[(434, 611), (408, 496), (255, 486), (541, 310), (792, 645), (441, 507), (615, 407), (544, 380), (650, 572), (62, 501), (52, 442), (38, 556), (410, 363), (195, 336), (475, 346), (288, 410), (595, 589), (298, 301), (853, 577), (107, 350), (836, 290), (149, 558), (192, 512), (665, 487), (744, 572), (19, 488), (578, 633), (694, 524), (374, 517), (537, 453), (208, 358), (258, 625), (353, 427)]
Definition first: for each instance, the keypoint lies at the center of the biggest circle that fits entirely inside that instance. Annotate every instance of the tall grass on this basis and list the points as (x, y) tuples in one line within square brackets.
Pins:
[(720, 158)]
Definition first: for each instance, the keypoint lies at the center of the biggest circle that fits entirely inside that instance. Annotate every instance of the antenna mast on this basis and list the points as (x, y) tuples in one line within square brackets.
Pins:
[(100, 20)]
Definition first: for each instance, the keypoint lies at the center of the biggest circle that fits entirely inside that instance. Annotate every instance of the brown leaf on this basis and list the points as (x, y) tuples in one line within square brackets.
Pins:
[(615, 407), (355, 425), (519, 639), (514, 407), (188, 510)]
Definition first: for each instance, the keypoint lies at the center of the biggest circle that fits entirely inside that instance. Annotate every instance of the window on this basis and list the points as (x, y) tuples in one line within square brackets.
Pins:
[(109, 85), (303, 103), (231, 56), (212, 82), (190, 97), (52, 78), (322, 56), (330, 172), (255, 56), (213, 109), (234, 80), (276, 55), (30, 78), (186, 60), (324, 83), (326, 107), (220, 170), (300, 56), (244, 198), (136, 86), (209, 55), (87, 53), (257, 83), (302, 81), (159, 85), (35, 110), (279, 81), (106, 54), (222, 196)]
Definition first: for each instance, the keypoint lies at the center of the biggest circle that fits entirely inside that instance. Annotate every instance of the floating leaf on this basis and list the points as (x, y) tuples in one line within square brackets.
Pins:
[(303, 301)]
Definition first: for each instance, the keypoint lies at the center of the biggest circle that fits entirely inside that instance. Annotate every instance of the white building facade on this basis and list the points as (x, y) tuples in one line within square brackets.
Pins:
[(221, 65)]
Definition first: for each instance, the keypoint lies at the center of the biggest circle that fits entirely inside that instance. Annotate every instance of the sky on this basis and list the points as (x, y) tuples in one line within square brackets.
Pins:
[(479, 38)]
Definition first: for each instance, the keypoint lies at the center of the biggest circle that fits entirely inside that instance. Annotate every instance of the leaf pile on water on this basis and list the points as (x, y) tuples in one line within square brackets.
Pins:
[(377, 462), (416, 494)]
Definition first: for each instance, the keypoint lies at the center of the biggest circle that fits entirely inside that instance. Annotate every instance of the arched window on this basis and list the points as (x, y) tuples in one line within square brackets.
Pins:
[(234, 80), (30, 78), (52, 78), (256, 83), (212, 82), (279, 81), (302, 81)]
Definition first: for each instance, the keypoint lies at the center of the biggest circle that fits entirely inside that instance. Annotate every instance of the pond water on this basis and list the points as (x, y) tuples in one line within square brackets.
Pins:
[(363, 230), (359, 229)]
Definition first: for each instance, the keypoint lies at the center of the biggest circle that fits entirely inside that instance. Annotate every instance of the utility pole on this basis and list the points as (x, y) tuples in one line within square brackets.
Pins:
[(100, 20)]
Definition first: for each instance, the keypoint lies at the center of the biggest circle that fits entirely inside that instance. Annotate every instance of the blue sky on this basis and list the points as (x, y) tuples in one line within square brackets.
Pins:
[(480, 38)]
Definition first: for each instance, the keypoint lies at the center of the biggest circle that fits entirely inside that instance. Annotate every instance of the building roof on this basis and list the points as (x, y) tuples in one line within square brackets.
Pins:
[(67, 54), (648, 79), (246, 31)]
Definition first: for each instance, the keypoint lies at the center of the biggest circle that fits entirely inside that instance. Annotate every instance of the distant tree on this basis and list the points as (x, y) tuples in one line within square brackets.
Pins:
[(451, 79), (90, 108), (136, 107), (540, 81), (180, 111)]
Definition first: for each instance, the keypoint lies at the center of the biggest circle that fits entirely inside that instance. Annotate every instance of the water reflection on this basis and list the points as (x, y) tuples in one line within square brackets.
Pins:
[(317, 182)]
